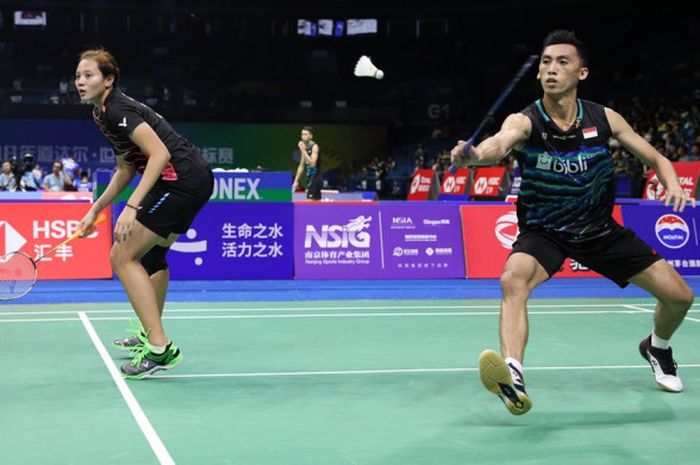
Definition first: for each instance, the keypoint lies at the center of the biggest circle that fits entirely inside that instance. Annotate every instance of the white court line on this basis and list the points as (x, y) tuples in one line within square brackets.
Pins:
[(696, 320), (320, 308), (274, 374), (333, 315), (151, 436)]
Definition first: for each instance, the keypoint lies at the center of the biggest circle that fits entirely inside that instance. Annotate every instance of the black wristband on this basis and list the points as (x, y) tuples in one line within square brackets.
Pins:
[(131, 206)]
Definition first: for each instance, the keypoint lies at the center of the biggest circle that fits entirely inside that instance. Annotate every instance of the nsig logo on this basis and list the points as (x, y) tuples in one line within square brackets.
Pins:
[(335, 236)]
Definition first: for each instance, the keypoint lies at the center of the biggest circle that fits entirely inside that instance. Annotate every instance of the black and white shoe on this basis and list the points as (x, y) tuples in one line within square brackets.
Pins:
[(505, 381), (662, 364)]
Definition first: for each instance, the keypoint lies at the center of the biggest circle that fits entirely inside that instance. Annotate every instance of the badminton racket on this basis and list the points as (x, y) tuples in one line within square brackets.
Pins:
[(496, 104), (18, 272)]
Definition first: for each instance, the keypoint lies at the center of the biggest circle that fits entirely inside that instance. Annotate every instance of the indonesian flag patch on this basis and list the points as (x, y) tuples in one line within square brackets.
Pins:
[(589, 133)]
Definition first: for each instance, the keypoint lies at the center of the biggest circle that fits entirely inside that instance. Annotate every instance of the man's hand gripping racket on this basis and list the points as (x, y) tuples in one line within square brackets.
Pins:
[(460, 152), (18, 272)]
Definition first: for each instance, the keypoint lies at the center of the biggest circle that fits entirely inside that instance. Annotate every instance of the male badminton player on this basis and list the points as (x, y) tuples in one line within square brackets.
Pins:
[(565, 210), (175, 184), (310, 162)]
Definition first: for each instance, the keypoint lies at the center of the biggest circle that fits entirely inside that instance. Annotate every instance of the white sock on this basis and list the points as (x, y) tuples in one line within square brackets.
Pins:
[(659, 343), (155, 349)]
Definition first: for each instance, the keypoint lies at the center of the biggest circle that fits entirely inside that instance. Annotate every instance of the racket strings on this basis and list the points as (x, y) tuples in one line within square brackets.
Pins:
[(17, 275)]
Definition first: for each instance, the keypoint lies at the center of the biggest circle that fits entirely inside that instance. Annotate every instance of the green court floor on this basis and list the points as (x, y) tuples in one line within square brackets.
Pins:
[(343, 382)]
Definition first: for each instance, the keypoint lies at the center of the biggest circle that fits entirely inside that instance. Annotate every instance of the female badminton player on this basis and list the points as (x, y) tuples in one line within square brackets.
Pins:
[(175, 184)]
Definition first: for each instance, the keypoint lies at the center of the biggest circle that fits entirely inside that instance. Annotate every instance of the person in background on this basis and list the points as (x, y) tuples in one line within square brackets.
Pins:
[(57, 179), (7, 177), (38, 174), (72, 169), (83, 184), (309, 162)]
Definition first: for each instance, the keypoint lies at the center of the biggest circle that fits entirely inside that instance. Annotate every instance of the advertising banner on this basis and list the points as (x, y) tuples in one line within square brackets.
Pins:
[(673, 235), (268, 186), (377, 241), (424, 186), (489, 232), (35, 228), (455, 186), (489, 183), (241, 241), (688, 172)]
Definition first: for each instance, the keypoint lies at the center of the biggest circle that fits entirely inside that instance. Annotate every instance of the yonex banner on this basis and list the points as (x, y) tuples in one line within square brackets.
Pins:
[(673, 235), (228, 186), (35, 228), (241, 241), (489, 232), (377, 241)]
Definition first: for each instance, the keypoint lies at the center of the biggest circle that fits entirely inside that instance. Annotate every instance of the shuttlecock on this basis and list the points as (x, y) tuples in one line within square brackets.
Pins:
[(365, 68)]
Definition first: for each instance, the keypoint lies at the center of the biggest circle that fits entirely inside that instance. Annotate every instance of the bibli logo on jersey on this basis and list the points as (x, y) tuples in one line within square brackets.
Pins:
[(335, 236), (572, 166), (672, 231)]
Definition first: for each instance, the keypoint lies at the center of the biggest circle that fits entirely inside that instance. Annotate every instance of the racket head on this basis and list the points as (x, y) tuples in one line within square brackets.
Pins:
[(296, 155), (17, 275)]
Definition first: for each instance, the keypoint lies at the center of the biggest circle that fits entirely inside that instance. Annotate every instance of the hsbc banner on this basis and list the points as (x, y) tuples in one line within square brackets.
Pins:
[(688, 173), (236, 241), (35, 228), (489, 183), (377, 241), (489, 233), (454, 186), (673, 235)]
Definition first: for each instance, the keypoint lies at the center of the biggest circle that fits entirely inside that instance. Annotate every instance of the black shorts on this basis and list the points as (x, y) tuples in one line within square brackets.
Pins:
[(618, 255), (313, 191), (171, 208)]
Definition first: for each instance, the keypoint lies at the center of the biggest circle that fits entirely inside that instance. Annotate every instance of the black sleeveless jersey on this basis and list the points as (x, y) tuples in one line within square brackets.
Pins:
[(568, 184), (120, 115), (312, 171)]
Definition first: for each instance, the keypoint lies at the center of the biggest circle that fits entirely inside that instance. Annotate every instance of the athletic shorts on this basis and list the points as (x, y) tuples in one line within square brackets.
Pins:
[(618, 255), (313, 191), (171, 208)]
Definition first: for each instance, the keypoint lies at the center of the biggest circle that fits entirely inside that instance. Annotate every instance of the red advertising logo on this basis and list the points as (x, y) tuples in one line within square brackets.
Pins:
[(424, 184), (489, 232), (688, 172), (455, 184), (488, 182), (35, 228)]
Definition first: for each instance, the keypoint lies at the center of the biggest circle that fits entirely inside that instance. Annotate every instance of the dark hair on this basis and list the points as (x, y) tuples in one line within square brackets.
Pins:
[(106, 62), (308, 128), (562, 36)]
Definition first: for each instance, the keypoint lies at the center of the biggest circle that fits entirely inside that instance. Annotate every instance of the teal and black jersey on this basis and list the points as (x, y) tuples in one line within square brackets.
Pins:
[(568, 184)]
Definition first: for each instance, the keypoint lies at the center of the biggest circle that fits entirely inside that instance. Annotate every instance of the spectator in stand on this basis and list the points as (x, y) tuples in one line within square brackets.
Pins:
[(58, 179), (83, 184), (7, 178), (38, 174), (72, 169), (694, 154)]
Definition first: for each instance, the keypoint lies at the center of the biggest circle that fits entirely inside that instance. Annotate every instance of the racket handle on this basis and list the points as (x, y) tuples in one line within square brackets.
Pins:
[(467, 146)]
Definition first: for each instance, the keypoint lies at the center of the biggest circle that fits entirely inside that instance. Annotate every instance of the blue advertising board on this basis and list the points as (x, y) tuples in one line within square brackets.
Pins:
[(388, 240), (673, 235), (236, 241)]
